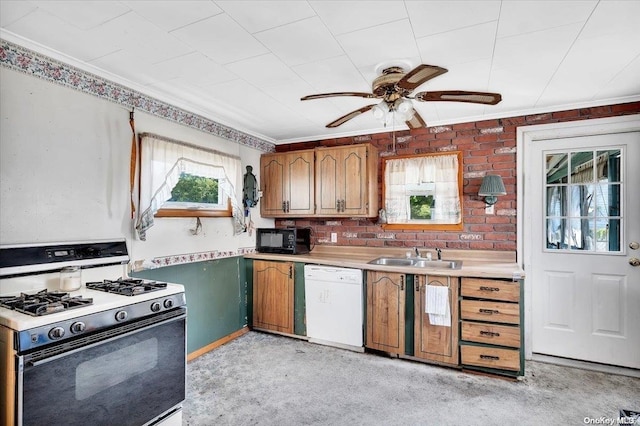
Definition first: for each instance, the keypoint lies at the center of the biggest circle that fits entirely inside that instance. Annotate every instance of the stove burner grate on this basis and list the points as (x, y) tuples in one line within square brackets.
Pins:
[(127, 287), (43, 302)]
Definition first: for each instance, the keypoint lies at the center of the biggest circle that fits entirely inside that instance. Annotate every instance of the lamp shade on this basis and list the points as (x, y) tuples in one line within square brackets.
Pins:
[(492, 185)]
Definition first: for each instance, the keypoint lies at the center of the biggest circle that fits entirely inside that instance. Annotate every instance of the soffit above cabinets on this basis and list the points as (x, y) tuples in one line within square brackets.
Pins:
[(246, 64)]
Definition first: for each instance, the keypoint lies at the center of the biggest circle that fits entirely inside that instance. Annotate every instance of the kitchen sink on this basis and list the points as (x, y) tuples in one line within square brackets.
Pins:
[(417, 262)]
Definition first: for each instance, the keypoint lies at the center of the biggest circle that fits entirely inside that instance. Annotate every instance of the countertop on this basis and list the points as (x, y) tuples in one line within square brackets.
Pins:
[(475, 263)]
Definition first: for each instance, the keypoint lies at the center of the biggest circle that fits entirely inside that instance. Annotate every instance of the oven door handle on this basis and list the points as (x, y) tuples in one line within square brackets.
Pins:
[(101, 341)]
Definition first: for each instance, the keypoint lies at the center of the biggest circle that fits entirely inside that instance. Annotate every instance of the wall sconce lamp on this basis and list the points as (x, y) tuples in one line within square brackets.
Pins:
[(491, 187)]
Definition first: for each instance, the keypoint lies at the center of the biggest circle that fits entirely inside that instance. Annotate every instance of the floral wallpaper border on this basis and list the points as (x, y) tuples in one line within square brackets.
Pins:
[(21, 59), (178, 259)]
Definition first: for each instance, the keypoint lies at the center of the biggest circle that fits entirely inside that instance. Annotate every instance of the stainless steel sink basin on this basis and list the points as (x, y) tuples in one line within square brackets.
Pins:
[(392, 261), (417, 262)]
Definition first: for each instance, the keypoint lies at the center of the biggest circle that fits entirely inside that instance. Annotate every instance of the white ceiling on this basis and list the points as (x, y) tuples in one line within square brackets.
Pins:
[(247, 63)]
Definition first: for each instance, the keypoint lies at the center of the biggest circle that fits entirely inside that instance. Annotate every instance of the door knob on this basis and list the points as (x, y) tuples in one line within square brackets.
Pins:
[(634, 261), (634, 245)]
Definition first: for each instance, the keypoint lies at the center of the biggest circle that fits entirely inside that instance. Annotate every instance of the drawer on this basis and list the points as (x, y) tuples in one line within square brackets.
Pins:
[(482, 288), (499, 358), (487, 310), (503, 335)]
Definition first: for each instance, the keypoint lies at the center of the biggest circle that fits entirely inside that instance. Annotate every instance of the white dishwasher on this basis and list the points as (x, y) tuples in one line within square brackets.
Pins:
[(334, 306)]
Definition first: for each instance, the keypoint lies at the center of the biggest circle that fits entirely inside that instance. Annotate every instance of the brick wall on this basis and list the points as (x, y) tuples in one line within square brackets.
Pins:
[(487, 146)]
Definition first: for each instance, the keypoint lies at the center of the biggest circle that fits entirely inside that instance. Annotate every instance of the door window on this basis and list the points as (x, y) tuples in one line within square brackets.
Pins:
[(583, 200)]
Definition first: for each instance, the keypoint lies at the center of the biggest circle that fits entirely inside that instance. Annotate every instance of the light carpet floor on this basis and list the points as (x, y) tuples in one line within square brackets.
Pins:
[(264, 379)]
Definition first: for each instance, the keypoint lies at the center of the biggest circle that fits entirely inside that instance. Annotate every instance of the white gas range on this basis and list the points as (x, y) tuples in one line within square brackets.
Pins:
[(113, 351)]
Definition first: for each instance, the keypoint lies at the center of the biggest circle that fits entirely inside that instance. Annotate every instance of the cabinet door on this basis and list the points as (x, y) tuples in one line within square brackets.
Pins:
[(436, 342), (328, 181), (300, 196), (385, 311), (273, 184), (273, 288), (287, 184), (353, 181), (342, 180)]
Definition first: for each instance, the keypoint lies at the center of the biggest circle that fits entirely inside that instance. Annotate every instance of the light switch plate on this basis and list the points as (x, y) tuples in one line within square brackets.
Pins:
[(334, 237)]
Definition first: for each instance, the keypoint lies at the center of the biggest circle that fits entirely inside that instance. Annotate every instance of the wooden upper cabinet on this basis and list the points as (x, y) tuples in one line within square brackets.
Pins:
[(287, 184), (321, 182), (347, 181), (385, 311)]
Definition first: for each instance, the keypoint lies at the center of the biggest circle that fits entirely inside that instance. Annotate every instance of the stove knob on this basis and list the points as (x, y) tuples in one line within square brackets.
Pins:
[(121, 315), (168, 303), (77, 327), (155, 307), (56, 333)]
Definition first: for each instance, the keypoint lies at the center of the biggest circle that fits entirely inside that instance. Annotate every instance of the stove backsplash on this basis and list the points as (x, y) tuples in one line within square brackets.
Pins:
[(51, 280)]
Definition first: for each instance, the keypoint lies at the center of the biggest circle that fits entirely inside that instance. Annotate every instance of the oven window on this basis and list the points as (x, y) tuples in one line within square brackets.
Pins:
[(103, 372), (127, 380)]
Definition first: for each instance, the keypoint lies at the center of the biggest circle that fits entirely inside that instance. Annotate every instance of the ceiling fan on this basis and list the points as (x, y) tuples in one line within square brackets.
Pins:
[(395, 86)]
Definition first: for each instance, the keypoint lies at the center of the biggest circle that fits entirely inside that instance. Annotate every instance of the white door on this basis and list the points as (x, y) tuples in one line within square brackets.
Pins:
[(583, 202)]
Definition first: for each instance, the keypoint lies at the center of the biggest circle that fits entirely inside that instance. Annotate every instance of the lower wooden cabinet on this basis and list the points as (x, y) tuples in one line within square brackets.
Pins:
[(385, 311), (273, 296), (492, 326), (397, 318), (435, 342)]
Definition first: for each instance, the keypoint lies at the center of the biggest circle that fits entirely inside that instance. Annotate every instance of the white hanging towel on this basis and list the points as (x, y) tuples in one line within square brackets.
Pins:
[(437, 305)]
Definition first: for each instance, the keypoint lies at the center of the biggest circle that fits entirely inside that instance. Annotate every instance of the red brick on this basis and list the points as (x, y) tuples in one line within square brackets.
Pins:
[(480, 245), (491, 137), (566, 114), (464, 126), (457, 245), (487, 123), (630, 107)]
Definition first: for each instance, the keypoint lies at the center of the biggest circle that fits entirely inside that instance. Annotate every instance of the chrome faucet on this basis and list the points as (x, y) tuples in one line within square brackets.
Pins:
[(439, 251)]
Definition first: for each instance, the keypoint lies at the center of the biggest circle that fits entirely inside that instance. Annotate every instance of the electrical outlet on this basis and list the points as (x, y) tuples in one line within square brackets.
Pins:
[(334, 237)]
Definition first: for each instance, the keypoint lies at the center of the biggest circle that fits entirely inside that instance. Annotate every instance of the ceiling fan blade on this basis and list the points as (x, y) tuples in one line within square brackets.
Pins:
[(416, 121), (330, 95), (349, 116), (419, 75), (460, 96)]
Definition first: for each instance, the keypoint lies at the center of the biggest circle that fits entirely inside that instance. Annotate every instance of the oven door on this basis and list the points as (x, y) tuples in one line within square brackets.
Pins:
[(129, 378)]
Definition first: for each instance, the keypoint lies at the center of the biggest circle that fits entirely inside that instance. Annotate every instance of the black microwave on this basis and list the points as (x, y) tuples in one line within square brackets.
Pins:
[(284, 240)]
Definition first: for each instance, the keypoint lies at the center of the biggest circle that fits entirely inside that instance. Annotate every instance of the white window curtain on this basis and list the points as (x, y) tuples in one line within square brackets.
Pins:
[(403, 173), (162, 162)]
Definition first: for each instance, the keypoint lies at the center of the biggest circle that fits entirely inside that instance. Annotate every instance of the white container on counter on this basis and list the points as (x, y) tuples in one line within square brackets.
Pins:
[(70, 278)]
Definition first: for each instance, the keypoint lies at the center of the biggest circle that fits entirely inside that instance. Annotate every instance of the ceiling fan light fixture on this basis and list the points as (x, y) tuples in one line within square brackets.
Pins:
[(380, 111), (404, 106)]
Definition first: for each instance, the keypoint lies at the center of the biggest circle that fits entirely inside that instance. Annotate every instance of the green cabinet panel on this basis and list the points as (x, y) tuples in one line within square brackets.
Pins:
[(216, 297), (299, 311)]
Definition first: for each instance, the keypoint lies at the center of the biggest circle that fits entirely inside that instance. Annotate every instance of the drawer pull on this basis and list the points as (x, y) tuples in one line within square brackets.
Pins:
[(489, 311), (485, 288), (491, 357), (489, 333)]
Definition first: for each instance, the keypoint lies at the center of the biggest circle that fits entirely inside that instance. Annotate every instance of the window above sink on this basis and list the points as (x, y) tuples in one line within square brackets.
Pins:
[(423, 191)]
